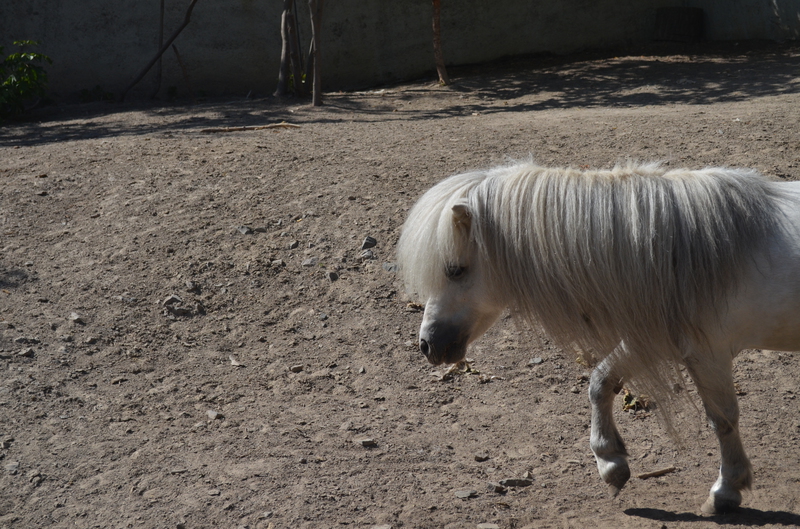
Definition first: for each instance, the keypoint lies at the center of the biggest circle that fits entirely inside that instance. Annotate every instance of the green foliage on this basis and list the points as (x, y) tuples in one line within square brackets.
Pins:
[(22, 78)]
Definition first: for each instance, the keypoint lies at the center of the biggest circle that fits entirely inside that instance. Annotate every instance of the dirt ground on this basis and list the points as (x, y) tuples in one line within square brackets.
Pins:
[(192, 337)]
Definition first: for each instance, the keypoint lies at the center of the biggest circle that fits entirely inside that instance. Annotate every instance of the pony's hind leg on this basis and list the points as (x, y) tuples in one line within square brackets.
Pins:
[(606, 443), (714, 382)]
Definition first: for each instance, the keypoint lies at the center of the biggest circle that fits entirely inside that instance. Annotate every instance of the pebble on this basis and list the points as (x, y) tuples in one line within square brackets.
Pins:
[(466, 494), (384, 526), (293, 245), (214, 492), (535, 361), (76, 318), (296, 368), (91, 340), (245, 230), (391, 267), (367, 255), (12, 467), (171, 300), (26, 340), (496, 487), (480, 457), (368, 442), (191, 286), (311, 261), (575, 389), (488, 526), (277, 262), (333, 276), (27, 352), (513, 482), (369, 242), (214, 415)]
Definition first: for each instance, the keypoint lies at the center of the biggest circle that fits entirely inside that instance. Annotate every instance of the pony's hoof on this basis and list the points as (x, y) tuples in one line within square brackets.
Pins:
[(719, 505), (616, 475)]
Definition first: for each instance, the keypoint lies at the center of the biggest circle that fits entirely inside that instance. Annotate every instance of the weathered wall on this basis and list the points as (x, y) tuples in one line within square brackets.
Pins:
[(233, 46)]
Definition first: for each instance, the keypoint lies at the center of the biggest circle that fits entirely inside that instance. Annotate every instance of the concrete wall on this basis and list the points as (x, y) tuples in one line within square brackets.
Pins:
[(233, 46)]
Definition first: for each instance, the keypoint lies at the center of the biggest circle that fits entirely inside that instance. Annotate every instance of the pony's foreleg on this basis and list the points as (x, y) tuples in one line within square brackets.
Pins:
[(606, 443), (714, 383)]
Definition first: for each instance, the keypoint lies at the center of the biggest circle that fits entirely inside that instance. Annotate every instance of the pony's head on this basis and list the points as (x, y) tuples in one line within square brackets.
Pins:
[(442, 264)]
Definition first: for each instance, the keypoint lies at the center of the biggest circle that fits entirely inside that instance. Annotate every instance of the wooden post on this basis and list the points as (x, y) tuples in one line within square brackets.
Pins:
[(315, 7), (438, 56)]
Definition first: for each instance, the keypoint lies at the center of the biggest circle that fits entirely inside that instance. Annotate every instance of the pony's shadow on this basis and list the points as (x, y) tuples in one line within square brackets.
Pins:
[(742, 516)]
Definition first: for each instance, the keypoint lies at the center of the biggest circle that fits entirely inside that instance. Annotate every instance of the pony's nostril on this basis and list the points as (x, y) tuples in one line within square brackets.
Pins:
[(423, 347)]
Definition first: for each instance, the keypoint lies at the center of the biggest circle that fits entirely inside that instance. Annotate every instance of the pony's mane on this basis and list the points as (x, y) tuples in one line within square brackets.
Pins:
[(638, 253)]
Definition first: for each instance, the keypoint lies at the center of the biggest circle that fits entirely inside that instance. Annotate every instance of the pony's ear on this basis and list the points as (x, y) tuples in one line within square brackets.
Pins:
[(462, 216)]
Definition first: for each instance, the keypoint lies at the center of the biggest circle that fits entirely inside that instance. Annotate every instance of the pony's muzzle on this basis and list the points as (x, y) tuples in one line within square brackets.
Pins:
[(448, 348)]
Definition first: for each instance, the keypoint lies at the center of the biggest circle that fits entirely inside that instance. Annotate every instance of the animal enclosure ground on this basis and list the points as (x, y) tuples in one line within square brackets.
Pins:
[(193, 337)]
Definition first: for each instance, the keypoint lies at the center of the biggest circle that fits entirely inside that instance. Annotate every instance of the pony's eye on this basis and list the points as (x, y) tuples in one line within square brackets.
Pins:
[(455, 272)]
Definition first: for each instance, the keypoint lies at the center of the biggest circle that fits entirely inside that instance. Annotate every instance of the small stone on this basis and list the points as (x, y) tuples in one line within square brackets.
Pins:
[(245, 230), (367, 255), (296, 368), (333, 276), (368, 442), (488, 526), (191, 286), (513, 482), (214, 415), (311, 261), (171, 300), (303, 461), (575, 389), (466, 494), (277, 262), (362, 370), (323, 316), (6, 443), (26, 340), (12, 467), (496, 487), (27, 352), (293, 245), (91, 340), (480, 457), (391, 267), (261, 229), (369, 242), (76, 318), (214, 492), (535, 361), (384, 526)]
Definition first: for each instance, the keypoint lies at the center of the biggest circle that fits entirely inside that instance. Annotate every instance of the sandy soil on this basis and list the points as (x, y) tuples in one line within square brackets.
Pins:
[(247, 398)]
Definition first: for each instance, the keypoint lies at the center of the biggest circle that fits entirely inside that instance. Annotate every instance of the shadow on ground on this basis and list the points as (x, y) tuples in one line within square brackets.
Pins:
[(698, 75), (748, 517)]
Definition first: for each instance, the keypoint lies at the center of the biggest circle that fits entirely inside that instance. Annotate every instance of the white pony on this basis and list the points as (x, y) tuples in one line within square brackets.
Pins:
[(645, 268)]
